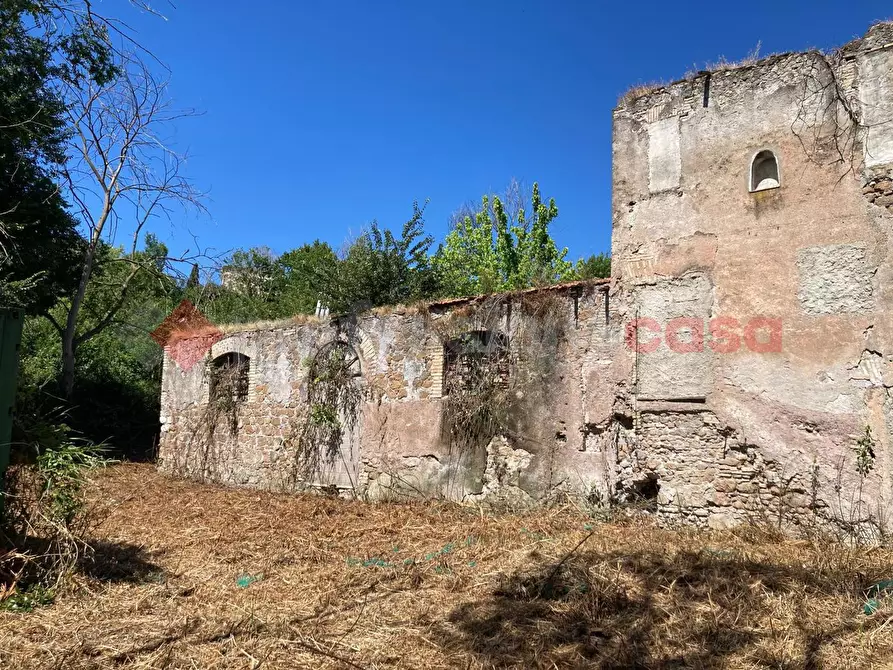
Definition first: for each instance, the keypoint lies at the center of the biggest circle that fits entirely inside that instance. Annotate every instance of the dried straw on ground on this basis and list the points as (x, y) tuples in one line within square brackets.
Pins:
[(197, 576)]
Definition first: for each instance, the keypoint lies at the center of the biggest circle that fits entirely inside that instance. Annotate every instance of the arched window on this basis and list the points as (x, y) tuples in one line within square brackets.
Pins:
[(335, 361), (476, 360), (229, 378), (764, 171)]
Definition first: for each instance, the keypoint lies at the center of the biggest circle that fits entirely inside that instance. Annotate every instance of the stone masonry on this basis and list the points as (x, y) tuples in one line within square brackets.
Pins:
[(783, 272), (563, 373), (738, 363)]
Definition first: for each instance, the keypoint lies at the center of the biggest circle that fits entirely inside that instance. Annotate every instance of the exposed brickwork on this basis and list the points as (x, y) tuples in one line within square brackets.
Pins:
[(707, 475), (879, 190), (713, 433), (565, 368)]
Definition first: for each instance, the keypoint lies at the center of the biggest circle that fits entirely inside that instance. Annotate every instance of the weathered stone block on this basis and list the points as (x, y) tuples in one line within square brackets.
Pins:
[(725, 485), (664, 155), (747, 487), (721, 521)]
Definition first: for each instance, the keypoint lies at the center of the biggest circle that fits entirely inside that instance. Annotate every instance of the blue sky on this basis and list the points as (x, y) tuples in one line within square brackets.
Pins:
[(320, 117)]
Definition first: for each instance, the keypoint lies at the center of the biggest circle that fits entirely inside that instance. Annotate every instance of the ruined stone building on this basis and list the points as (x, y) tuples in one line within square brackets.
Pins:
[(738, 362)]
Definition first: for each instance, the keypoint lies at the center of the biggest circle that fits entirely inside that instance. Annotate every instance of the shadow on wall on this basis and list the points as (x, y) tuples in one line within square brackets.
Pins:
[(661, 609)]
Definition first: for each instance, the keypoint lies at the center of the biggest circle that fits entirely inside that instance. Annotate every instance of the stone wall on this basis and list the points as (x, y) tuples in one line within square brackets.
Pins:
[(879, 190), (561, 387), (707, 475), (758, 400), (738, 364)]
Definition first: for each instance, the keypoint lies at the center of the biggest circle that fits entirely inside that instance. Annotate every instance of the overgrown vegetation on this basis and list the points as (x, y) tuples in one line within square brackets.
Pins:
[(86, 182), (93, 296), (45, 519), (847, 515), (502, 247), (721, 64), (227, 390), (865, 455), (118, 370), (495, 248), (500, 351), (322, 433), (80, 148), (477, 389)]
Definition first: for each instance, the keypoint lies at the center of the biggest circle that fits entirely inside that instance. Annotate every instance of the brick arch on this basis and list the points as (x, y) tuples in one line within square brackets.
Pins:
[(365, 350), (234, 344)]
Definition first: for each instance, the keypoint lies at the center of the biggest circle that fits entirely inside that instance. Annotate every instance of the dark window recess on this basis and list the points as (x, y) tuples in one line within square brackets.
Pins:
[(476, 360), (764, 172), (229, 377), (645, 493)]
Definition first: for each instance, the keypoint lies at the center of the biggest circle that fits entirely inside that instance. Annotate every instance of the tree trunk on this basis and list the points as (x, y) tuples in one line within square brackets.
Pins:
[(69, 335), (68, 359)]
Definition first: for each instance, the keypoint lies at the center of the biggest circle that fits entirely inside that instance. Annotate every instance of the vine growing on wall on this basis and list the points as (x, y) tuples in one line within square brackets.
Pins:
[(227, 391), (499, 352), (827, 123), (865, 455), (227, 383), (331, 411), (476, 388)]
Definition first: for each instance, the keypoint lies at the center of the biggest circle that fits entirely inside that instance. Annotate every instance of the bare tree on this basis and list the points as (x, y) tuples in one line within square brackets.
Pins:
[(120, 172), (513, 198)]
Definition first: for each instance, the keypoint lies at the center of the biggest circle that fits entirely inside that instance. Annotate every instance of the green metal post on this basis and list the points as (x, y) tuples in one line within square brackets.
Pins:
[(10, 337)]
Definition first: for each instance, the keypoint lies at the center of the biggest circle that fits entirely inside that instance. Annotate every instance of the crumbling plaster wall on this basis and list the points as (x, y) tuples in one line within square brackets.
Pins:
[(565, 374), (240, 447), (811, 258), (775, 301)]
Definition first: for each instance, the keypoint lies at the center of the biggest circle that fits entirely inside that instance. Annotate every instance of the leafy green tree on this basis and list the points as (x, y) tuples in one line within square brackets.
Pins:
[(147, 285), (155, 252), (250, 289), (80, 128), (253, 273), (467, 262), (194, 280), (305, 272), (117, 381), (225, 305), (256, 285), (380, 268), (39, 243), (489, 250), (597, 266)]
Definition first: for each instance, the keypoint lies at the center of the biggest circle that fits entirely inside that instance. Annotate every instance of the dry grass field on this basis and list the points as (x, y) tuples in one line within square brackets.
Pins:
[(196, 576)]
